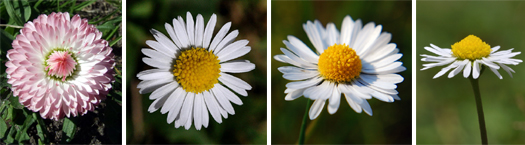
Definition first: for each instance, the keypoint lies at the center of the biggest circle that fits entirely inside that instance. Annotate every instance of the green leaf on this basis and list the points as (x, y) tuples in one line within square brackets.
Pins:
[(115, 41), (39, 126), (3, 127), (22, 134), (40, 142), (69, 129), (82, 5), (18, 11), (9, 139), (12, 13)]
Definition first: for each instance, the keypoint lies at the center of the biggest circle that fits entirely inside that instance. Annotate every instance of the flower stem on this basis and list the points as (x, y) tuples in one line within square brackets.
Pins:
[(303, 126), (479, 106)]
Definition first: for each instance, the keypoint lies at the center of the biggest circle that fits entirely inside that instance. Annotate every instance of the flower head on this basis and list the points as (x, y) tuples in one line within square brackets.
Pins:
[(191, 71), (59, 66), (358, 62), (468, 55)]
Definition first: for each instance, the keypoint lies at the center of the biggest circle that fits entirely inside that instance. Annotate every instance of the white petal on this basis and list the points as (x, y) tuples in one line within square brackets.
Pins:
[(316, 109), (468, 68), (156, 104), (507, 69), (199, 31), (304, 84), (355, 106), (156, 54), (205, 117), (171, 32), (488, 63), (366, 107), (228, 94), (346, 30), (458, 69), (176, 107), (213, 106), (209, 31), (227, 40), (240, 52), (294, 94), (445, 69), (197, 111), (190, 30), (154, 76), (334, 101), (148, 86), (186, 112), (296, 59), (223, 101), (496, 72), (237, 67), (181, 33), (300, 76), (235, 81), (286, 59), (232, 48), (332, 34), (476, 70), (218, 37), (156, 63), (169, 47), (164, 90), (299, 48), (159, 47), (314, 35)]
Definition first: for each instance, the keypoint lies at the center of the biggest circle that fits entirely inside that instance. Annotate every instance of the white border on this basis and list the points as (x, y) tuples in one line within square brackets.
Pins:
[(268, 72), (414, 72), (124, 71)]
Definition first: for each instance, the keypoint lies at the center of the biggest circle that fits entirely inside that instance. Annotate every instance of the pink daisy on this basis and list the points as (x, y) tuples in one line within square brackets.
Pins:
[(59, 66)]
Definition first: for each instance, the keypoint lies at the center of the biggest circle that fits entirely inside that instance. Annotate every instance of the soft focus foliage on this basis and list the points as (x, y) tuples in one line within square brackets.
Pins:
[(446, 110), (20, 125), (391, 122), (248, 125)]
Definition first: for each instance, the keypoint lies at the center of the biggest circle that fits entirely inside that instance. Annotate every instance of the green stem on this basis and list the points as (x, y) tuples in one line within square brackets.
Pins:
[(479, 106), (303, 126)]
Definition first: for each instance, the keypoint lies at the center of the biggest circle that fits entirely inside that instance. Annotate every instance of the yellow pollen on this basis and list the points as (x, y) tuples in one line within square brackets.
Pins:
[(471, 47), (339, 63), (197, 70)]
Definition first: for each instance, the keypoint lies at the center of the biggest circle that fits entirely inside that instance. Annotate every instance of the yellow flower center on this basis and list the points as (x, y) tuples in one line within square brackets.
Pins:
[(197, 70), (471, 47), (339, 63)]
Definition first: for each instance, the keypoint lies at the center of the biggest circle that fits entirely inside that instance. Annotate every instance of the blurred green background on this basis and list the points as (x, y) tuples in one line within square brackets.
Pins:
[(446, 110), (391, 123), (248, 125)]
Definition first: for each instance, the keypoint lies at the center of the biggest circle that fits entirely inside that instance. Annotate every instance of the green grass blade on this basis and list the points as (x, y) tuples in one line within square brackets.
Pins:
[(82, 5), (12, 12)]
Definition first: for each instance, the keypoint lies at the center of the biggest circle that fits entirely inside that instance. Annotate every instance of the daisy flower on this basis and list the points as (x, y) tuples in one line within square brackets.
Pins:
[(358, 62), (59, 66), (191, 69), (468, 55)]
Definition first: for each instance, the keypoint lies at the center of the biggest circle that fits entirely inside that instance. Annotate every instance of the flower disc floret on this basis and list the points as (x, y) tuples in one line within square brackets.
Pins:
[(471, 47), (197, 70), (61, 64), (339, 63)]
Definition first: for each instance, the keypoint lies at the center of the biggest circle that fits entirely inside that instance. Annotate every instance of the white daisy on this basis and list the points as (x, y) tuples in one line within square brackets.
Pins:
[(358, 62), (470, 53), (191, 71)]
